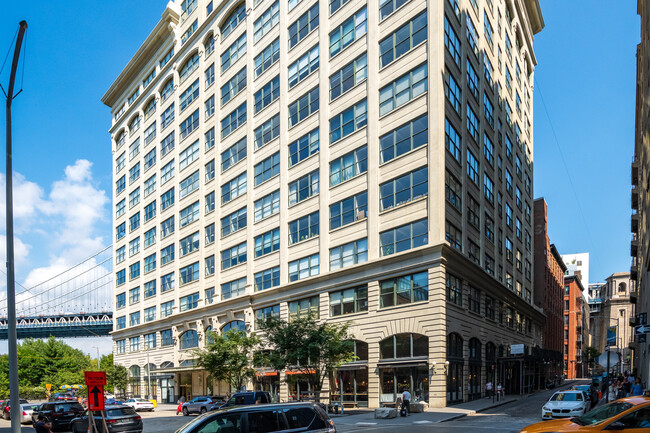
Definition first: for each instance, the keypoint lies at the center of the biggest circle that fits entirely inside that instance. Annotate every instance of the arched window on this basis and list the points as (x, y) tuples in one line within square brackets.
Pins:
[(120, 139), (490, 352), (404, 346), (149, 108), (235, 324), (474, 349), (134, 124), (167, 364), (189, 339), (134, 371), (232, 21), (622, 287), (209, 337), (454, 346), (208, 43), (167, 89), (134, 380), (189, 66)]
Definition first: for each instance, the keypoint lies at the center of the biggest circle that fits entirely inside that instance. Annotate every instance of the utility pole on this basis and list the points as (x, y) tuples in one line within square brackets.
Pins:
[(99, 361), (14, 391)]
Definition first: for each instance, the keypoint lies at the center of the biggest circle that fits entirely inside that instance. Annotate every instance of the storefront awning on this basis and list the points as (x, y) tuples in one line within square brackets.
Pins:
[(353, 366), (266, 373), (403, 363), (301, 372)]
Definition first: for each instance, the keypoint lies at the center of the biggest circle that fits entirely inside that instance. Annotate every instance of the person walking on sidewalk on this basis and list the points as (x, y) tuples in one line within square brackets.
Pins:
[(499, 391), (488, 389), (406, 401), (637, 388)]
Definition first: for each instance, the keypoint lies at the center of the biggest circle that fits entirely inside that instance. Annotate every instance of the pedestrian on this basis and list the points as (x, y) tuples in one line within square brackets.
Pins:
[(611, 391), (499, 391), (179, 408), (637, 388), (593, 396), (488, 388), (620, 390), (627, 387), (43, 425), (406, 400)]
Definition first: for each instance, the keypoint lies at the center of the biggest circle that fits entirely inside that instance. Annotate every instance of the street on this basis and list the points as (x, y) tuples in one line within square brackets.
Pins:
[(509, 418)]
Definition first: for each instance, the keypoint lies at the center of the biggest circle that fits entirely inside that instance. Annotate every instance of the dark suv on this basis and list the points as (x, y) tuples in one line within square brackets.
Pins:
[(60, 413), (119, 418), (247, 397), (267, 418)]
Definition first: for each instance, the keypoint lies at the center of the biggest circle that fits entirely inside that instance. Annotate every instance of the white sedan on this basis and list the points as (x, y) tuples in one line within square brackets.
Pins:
[(140, 404), (565, 404)]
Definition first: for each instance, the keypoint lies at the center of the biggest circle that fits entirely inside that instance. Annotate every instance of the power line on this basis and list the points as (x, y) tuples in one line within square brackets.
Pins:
[(566, 169), (69, 269)]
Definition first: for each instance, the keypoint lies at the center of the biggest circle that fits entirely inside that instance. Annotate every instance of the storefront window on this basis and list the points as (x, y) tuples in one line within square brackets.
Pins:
[(298, 386), (394, 376), (268, 381), (474, 369), (134, 380), (454, 368)]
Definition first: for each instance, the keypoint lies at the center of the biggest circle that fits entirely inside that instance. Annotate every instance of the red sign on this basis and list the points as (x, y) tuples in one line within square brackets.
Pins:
[(96, 397), (95, 378)]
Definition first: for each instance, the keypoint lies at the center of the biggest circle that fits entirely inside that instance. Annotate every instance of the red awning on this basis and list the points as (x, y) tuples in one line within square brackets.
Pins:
[(301, 372)]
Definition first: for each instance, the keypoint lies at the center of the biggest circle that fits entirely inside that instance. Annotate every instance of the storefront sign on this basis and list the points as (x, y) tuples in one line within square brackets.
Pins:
[(516, 349)]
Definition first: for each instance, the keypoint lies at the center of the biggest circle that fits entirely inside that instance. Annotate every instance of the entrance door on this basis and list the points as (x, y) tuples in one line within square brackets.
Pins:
[(455, 382)]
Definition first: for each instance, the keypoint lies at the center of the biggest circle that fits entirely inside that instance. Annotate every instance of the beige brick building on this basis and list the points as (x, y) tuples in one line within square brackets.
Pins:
[(362, 162)]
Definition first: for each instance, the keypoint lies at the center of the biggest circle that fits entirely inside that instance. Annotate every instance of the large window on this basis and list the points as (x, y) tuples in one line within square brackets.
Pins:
[(233, 222), (189, 66), (234, 19), (267, 279), (267, 94), (233, 189), (349, 166), (308, 307), (233, 53), (349, 254), (189, 339), (452, 140), (404, 290), (348, 121), (303, 188), (189, 95), (167, 255), (267, 132), (267, 242), (266, 169), (233, 120), (167, 227), (189, 214), (304, 268), (304, 147), (348, 210), (454, 290), (189, 244), (167, 145), (270, 17), (349, 31), (267, 205), (235, 85), (453, 92), (134, 197), (348, 76), (452, 43), (402, 40), (348, 301), (303, 228), (166, 284), (404, 346), (189, 184), (233, 256), (188, 274), (404, 189), (300, 28), (404, 238), (233, 154), (305, 65), (404, 138), (189, 124), (269, 55), (303, 107), (233, 288), (399, 92)]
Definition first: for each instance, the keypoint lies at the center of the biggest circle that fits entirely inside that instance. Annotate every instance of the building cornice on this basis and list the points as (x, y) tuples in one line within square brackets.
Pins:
[(558, 257), (165, 27)]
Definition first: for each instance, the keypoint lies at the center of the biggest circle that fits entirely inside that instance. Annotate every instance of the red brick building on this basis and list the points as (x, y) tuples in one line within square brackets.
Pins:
[(573, 326), (549, 281)]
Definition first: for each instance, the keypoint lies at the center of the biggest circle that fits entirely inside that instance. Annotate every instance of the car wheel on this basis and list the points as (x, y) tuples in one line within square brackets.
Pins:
[(203, 410), (185, 411)]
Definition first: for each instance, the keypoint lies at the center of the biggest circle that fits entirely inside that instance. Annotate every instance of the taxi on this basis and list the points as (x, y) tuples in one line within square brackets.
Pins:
[(630, 415)]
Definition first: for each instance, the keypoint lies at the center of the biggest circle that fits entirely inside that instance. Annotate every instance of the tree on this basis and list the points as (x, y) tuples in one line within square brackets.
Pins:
[(307, 347), (591, 353), (117, 377), (229, 357)]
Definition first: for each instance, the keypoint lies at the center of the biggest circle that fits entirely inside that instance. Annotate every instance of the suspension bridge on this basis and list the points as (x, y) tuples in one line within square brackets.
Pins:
[(75, 302)]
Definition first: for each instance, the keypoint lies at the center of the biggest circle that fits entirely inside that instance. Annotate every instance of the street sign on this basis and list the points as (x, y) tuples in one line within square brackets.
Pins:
[(641, 329), (96, 397), (48, 386), (95, 378), (516, 349)]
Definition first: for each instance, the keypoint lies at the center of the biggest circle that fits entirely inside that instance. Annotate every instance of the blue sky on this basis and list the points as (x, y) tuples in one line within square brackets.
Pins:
[(75, 49)]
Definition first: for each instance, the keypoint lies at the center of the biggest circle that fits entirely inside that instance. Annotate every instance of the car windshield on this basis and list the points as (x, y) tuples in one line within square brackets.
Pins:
[(190, 425), (566, 396), (602, 413)]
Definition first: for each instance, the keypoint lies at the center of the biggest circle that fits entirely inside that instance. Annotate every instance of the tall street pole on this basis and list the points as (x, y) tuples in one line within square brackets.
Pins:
[(16, 412)]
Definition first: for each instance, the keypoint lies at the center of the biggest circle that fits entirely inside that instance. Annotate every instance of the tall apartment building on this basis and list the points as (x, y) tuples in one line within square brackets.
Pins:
[(412, 219), (575, 318), (549, 281), (640, 194)]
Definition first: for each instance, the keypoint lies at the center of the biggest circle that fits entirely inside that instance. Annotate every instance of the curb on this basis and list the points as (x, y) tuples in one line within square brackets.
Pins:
[(472, 412)]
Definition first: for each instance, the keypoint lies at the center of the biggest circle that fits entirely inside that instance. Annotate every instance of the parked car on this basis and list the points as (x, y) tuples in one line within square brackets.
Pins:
[(62, 396), (247, 397), (140, 404), (60, 413), (626, 414), (566, 404), (119, 418), (268, 418), (202, 404), (113, 401), (6, 409), (27, 409)]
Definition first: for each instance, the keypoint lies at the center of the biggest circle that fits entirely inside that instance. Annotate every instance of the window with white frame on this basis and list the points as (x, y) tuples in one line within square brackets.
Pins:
[(189, 214), (349, 254)]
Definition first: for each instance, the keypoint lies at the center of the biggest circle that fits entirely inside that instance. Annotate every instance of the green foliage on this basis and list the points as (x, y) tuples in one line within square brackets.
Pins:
[(308, 347), (591, 353), (229, 357)]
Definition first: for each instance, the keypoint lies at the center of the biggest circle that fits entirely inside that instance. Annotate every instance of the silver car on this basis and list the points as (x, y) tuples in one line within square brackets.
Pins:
[(27, 409), (199, 404)]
